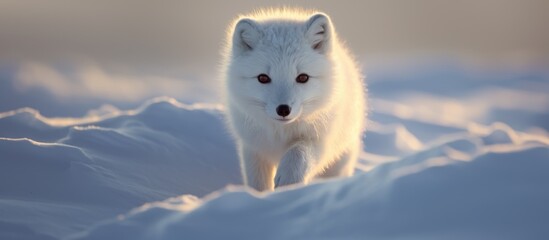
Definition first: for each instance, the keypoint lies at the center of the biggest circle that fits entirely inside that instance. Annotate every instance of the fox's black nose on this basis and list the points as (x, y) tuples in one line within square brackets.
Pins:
[(283, 110)]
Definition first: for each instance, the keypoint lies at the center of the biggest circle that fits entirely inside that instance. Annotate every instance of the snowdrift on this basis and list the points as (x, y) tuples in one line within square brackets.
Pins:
[(58, 176), (447, 155), (477, 187)]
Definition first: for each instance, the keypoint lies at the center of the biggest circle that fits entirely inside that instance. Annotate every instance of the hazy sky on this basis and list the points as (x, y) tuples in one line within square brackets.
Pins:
[(166, 34), (58, 55)]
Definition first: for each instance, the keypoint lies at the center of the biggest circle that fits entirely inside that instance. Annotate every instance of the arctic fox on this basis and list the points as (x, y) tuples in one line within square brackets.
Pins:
[(295, 98)]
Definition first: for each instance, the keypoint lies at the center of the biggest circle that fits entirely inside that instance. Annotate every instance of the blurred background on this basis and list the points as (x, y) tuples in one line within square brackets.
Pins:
[(67, 57)]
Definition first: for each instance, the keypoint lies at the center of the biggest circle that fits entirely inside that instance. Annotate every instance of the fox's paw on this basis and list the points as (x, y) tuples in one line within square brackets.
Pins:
[(287, 178)]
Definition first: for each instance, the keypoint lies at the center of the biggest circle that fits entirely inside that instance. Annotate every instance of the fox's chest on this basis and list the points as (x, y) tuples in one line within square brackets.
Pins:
[(278, 139)]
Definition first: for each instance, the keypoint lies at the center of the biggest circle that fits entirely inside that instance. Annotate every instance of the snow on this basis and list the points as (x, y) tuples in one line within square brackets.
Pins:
[(475, 187), (450, 153), (74, 172)]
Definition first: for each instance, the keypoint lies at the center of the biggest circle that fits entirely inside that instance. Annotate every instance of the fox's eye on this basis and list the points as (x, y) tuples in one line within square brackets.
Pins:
[(302, 78), (263, 78)]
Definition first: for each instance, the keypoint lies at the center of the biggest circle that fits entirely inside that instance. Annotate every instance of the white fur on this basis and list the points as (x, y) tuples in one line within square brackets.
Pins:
[(322, 136)]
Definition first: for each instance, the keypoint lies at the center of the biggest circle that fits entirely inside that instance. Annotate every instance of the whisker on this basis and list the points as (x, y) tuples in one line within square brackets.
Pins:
[(311, 100), (256, 102)]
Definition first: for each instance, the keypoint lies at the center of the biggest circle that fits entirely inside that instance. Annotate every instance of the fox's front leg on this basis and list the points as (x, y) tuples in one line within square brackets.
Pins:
[(296, 165), (257, 171)]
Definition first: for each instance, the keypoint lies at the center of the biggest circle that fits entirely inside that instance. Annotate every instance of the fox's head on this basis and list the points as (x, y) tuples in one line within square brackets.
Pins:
[(282, 69)]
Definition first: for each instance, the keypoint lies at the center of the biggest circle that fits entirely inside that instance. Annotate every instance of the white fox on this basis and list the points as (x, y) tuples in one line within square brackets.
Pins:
[(296, 100)]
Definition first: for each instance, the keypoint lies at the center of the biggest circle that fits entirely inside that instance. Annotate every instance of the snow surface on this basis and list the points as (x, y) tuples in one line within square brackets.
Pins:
[(58, 176), (449, 154)]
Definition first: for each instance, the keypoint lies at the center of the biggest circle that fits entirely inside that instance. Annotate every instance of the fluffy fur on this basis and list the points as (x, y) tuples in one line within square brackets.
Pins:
[(321, 137)]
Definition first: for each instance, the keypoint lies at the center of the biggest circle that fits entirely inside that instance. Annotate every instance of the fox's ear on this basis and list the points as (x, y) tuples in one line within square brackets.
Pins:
[(318, 33), (246, 35)]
